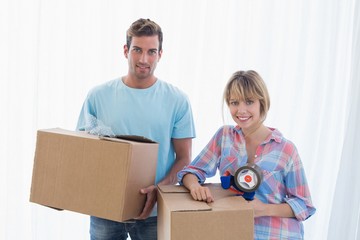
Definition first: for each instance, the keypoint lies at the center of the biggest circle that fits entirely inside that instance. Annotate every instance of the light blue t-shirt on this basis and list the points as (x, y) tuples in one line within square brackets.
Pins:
[(160, 112)]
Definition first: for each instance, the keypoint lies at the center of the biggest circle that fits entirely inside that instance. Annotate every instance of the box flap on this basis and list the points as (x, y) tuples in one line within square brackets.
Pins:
[(62, 131), (189, 205), (230, 203), (173, 189), (177, 201), (133, 138), (183, 189)]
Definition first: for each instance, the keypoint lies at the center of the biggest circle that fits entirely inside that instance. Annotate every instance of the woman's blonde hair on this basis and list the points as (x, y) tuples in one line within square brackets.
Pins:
[(244, 85)]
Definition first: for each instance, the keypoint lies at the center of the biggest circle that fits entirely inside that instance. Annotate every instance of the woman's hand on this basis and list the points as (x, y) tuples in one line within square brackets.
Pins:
[(197, 191), (201, 193)]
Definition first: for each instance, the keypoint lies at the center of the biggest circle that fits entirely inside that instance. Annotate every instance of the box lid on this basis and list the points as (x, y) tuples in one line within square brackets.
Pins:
[(223, 199)]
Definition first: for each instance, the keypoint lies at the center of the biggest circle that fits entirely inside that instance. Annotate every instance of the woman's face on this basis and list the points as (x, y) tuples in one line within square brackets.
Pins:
[(245, 112)]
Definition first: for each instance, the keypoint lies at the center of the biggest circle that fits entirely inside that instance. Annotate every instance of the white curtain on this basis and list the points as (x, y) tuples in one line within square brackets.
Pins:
[(345, 212), (308, 52)]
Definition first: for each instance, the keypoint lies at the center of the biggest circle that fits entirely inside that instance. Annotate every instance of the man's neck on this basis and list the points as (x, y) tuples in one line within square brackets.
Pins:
[(139, 83)]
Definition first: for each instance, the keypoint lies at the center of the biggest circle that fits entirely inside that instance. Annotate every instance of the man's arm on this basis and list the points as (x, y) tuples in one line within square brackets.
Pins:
[(182, 149)]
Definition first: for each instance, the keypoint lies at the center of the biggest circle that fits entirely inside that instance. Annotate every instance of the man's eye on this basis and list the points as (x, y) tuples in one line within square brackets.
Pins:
[(137, 50), (152, 52)]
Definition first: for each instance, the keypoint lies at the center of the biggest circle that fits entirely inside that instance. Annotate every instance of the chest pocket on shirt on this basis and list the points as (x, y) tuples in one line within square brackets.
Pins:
[(273, 181)]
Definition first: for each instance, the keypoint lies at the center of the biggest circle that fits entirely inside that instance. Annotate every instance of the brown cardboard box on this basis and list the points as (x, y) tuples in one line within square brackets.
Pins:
[(80, 172), (180, 217)]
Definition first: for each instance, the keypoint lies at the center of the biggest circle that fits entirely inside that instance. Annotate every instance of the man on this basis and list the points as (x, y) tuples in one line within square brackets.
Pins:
[(141, 104)]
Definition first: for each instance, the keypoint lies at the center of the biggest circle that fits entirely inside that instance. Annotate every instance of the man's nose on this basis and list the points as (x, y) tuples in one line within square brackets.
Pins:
[(143, 57)]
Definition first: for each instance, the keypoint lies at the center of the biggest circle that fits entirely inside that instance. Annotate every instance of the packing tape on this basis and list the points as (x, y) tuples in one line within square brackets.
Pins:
[(248, 178)]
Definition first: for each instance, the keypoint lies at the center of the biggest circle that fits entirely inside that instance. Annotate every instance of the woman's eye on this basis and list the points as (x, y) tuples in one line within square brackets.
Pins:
[(249, 102)]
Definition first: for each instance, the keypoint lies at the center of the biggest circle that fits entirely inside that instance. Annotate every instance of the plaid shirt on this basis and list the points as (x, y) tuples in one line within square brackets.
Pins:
[(284, 178)]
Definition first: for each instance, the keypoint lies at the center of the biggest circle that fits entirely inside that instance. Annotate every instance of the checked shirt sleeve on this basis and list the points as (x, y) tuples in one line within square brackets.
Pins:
[(206, 163), (298, 194)]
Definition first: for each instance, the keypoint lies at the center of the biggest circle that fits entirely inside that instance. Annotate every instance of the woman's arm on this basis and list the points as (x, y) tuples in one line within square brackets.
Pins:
[(271, 210)]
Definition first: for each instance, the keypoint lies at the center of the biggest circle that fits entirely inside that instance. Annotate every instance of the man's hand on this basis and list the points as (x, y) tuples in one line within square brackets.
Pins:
[(151, 197)]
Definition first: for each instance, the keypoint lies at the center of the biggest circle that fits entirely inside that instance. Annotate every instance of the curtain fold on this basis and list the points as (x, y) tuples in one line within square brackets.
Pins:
[(345, 211), (308, 52)]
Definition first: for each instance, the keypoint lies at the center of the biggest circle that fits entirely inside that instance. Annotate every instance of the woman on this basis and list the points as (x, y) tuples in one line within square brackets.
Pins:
[(283, 199)]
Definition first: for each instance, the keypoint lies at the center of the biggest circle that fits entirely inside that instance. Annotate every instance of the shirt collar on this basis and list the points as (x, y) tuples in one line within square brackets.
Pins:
[(275, 135)]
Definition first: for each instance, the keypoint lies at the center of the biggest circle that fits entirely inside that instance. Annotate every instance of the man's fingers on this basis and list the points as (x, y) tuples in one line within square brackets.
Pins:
[(148, 189), (151, 197)]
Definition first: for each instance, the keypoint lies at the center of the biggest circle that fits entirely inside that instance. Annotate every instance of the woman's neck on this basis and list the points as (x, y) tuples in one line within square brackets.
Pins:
[(257, 134)]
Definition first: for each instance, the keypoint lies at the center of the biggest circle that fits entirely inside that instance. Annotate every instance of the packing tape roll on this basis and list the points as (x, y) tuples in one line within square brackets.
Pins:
[(248, 178)]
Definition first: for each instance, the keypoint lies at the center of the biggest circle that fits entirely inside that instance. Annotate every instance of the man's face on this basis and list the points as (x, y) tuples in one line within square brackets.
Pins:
[(143, 56)]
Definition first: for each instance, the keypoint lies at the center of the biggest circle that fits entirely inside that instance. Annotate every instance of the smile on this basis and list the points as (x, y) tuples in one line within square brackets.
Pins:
[(243, 118), (142, 67)]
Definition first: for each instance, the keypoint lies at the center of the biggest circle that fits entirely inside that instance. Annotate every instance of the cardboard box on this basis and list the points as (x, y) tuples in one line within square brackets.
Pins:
[(180, 217), (84, 173)]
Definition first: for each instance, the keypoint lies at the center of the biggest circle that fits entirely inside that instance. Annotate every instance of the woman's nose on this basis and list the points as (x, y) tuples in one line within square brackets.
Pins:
[(241, 108)]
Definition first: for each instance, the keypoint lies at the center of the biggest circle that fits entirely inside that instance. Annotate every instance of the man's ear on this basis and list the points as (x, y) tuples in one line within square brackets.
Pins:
[(126, 51), (160, 54)]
